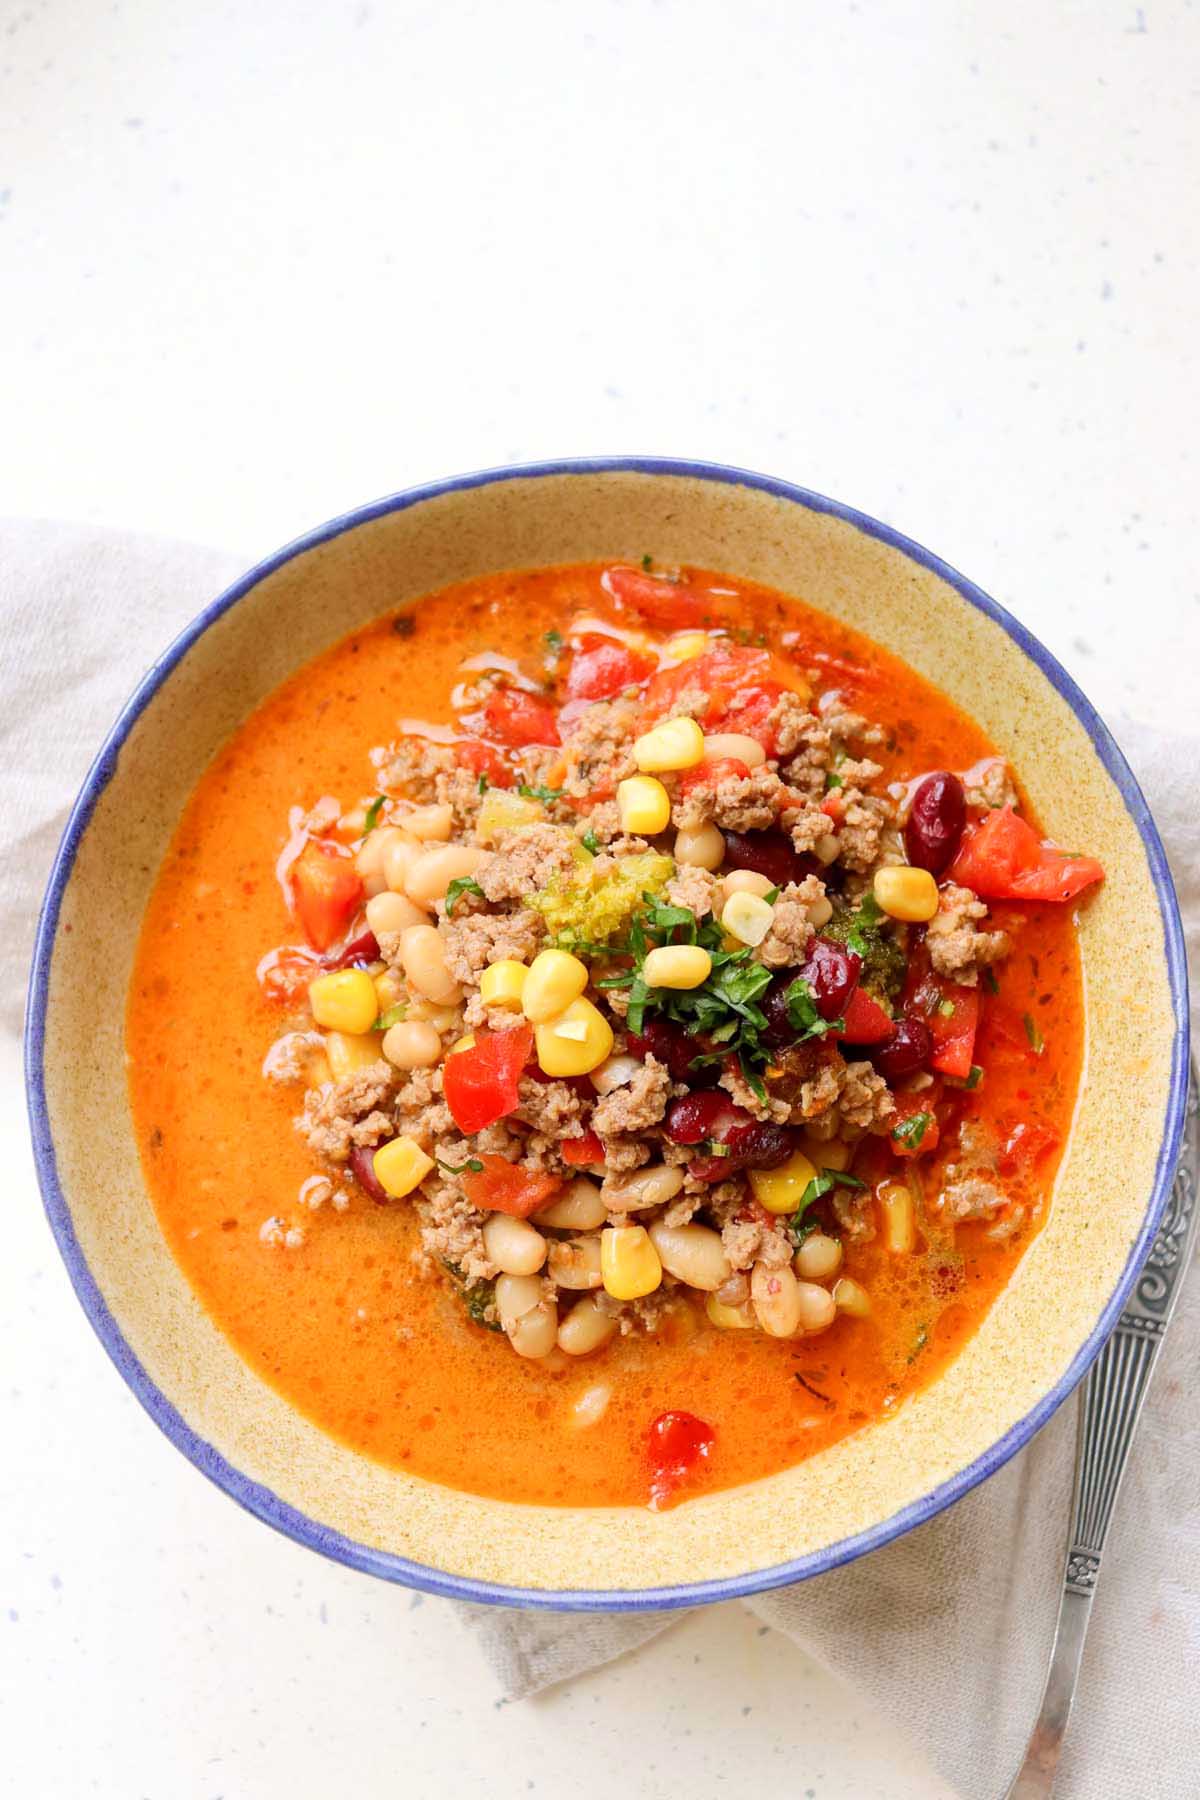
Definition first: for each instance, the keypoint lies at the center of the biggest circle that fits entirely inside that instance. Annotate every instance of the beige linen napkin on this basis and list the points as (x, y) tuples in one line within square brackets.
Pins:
[(946, 1631)]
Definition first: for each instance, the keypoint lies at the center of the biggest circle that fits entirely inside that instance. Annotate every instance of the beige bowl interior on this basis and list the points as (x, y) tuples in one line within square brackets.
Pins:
[(1051, 1306)]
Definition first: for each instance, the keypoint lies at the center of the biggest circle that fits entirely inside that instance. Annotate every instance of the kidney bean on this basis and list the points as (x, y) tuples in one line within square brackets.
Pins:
[(831, 972), (769, 853), (362, 949), (695, 1117), (908, 1049), (757, 1145), (936, 817), (362, 1167), (670, 1044)]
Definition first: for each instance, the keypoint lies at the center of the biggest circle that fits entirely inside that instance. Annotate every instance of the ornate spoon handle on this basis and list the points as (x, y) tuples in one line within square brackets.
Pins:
[(1113, 1392)]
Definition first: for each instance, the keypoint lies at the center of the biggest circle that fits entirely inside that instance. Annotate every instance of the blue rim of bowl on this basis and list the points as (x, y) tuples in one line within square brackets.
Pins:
[(260, 1500)]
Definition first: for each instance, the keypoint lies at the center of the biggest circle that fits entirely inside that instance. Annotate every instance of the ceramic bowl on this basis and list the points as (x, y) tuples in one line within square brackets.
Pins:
[(1068, 1289)]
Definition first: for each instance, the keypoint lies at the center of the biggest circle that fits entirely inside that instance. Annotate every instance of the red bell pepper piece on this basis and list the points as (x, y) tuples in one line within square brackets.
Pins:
[(1002, 858), (501, 1186), (584, 1152), (679, 1443), (482, 1083), (910, 1106), (518, 718), (668, 604), (865, 1021), (601, 668), (327, 890)]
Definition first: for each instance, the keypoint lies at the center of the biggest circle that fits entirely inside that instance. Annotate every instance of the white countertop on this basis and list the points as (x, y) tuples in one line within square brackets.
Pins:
[(260, 263)]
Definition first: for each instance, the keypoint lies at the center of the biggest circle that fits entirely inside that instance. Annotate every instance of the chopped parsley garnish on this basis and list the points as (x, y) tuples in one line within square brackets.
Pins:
[(483, 784), (911, 1131), (553, 640), (919, 1342), (373, 812), (590, 842), (647, 561), (865, 931), (974, 1078), (814, 1391), (393, 1016), (833, 781), (1037, 1042), (796, 1225), (472, 1165), (802, 1012), (990, 982), (479, 1298), (464, 884), (724, 1008), (544, 794)]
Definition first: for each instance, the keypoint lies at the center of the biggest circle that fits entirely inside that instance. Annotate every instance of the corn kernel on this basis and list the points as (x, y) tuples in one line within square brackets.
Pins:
[(389, 990), (400, 1166), (728, 1318), (747, 917), (561, 1052), (781, 1190), (502, 983), (899, 1217), (505, 811), (344, 1001), (629, 1264), (554, 978), (685, 646), (904, 893), (675, 744), (462, 1043), (677, 966), (643, 805), (348, 1053), (831, 1155)]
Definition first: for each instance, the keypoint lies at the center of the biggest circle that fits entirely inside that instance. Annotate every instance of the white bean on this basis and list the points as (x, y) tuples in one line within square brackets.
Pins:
[(430, 822), (591, 1405), (575, 1263), (368, 858), (850, 1297), (412, 1044), (818, 1309), (515, 1247), (585, 1328), (392, 913), (616, 1072), (693, 1254), (578, 1207), (424, 957), (398, 857), (535, 1333), (819, 1257), (700, 848), (734, 743), (776, 1297), (645, 1187), (820, 911), (429, 875), (743, 881), (516, 1295), (826, 849)]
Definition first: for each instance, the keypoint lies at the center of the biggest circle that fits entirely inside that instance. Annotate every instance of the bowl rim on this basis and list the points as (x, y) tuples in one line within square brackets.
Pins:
[(261, 1501)]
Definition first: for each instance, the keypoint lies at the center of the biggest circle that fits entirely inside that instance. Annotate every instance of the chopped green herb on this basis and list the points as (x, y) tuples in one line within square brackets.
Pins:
[(919, 1342), (911, 1131), (553, 640), (479, 1298), (544, 794), (946, 1009), (867, 931), (590, 842), (464, 884), (796, 1225), (814, 1391), (373, 812), (974, 1078), (833, 781), (802, 1012), (1037, 1042), (647, 561), (483, 784), (472, 1165), (990, 982), (393, 1016)]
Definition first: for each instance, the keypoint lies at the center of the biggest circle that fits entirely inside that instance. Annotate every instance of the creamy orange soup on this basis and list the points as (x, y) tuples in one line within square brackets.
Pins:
[(345, 1324)]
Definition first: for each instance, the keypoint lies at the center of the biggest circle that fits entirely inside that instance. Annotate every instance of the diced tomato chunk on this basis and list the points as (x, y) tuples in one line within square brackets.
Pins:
[(482, 1083), (1025, 1145), (953, 1024), (584, 1152), (518, 718), (484, 759), (749, 712), (911, 1106), (1002, 858), (501, 1186), (679, 1443), (865, 1021), (668, 604), (327, 890), (601, 668), (722, 673), (711, 774), (284, 975)]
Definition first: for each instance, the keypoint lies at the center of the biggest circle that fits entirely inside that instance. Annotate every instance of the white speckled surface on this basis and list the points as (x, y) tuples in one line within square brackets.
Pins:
[(259, 263)]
